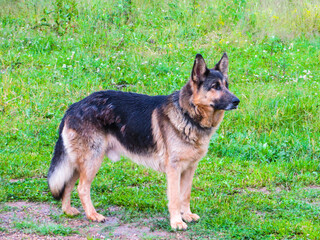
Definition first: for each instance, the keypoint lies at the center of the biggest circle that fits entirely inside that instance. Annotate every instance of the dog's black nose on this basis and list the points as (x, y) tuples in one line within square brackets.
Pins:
[(235, 101)]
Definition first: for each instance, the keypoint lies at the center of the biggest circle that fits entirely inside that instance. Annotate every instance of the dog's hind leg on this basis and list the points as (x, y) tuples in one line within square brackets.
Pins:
[(185, 193), (66, 198), (88, 170)]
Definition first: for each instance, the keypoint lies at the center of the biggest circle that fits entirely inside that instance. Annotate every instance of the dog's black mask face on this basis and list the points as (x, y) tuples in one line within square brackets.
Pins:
[(211, 85)]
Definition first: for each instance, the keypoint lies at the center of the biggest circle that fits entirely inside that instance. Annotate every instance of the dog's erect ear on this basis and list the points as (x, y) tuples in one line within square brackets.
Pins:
[(222, 65), (199, 70)]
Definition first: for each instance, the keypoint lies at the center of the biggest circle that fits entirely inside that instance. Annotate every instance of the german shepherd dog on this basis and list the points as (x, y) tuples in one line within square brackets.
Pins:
[(167, 133)]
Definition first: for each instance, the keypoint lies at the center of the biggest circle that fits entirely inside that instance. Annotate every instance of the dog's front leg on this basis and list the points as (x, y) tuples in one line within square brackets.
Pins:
[(173, 178), (185, 193)]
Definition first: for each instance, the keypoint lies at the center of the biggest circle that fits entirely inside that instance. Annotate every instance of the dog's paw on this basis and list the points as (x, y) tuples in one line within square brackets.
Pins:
[(189, 217), (71, 211), (179, 225), (96, 217)]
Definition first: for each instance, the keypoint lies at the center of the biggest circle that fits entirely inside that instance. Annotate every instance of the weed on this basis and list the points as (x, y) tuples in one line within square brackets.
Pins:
[(7, 209), (43, 229)]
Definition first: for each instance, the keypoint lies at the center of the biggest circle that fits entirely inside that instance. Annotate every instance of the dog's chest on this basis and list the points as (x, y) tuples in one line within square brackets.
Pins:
[(193, 153), (186, 154)]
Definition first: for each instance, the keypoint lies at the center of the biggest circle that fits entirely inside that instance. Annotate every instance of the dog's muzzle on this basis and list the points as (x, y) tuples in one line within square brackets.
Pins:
[(234, 104)]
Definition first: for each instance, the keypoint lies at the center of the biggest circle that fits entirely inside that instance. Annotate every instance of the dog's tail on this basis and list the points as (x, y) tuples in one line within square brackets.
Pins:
[(61, 170)]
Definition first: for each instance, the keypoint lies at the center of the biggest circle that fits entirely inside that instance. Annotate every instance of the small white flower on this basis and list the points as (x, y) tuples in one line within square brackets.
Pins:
[(291, 46)]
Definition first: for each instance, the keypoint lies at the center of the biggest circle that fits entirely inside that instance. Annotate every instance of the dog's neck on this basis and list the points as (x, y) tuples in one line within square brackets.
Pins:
[(198, 114), (185, 115), (189, 129)]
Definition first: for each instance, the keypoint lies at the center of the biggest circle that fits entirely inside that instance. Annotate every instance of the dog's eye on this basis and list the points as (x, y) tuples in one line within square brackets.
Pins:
[(216, 86)]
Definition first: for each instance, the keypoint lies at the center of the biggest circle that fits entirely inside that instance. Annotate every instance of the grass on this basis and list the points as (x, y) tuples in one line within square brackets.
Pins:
[(43, 228), (53, 53)]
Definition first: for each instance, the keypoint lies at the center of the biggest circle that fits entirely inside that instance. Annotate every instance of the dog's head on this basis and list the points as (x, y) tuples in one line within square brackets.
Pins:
[(210, 89)]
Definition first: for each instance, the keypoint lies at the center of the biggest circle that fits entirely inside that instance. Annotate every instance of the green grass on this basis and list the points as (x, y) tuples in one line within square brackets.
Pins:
[(54, 53), (29, 226)]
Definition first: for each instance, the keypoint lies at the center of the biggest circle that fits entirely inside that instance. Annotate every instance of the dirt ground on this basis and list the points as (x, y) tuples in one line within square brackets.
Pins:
[(24, 220)]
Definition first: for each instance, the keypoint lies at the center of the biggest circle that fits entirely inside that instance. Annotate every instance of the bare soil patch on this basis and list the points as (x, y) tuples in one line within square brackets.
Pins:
[(312, 187), (263, 190), (12, 214)]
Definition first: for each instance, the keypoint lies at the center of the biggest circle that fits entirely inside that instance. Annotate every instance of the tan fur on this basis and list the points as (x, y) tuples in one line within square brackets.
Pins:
[(202, 99), (86, 165)]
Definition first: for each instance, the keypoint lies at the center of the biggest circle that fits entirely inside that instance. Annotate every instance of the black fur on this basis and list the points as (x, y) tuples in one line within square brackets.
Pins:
[(125, 115), (212, 77)]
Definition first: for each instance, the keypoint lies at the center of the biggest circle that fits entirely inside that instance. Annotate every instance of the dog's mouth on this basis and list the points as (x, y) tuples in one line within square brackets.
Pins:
[(230, 104), (229, 107)]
